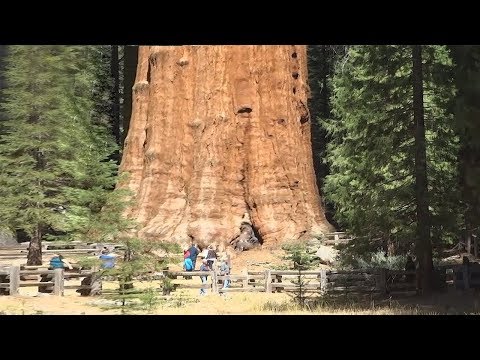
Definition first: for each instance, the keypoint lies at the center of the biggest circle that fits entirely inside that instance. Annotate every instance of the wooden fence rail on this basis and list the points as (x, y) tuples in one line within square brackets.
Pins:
[(21, 251), (335, 282), (50, 281)]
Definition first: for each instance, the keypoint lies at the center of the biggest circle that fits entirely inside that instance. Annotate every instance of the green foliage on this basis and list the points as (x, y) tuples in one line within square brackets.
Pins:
[(371, 149), (142, 259), (302, 259), (467, 113), (380, 260), (321, 67), (300, 256)]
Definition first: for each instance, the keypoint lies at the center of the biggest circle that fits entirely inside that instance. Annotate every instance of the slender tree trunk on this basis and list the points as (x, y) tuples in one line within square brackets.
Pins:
[(130, 56), (218, 132), (423, 246), (3, 54), (34, 256), (115, 74)]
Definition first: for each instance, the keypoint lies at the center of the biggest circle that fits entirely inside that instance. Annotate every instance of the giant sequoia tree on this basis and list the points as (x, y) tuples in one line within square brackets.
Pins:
[(217, 132)]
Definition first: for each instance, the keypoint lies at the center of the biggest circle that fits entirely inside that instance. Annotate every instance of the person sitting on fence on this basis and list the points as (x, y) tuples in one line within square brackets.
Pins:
[(225, 270), (58, 262), (108, 259), (204, 267), (409, 266)]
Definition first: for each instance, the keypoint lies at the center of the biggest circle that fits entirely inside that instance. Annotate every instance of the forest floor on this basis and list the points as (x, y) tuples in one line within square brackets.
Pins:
[(189, 302)]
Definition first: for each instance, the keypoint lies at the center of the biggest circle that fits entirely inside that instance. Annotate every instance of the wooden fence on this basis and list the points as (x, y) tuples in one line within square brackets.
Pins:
[(333, 282), (337, 238), (70, 248), (15, 277)]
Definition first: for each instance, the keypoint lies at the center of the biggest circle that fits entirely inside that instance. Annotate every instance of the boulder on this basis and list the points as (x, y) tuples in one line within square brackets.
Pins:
[(7, 238), (327, 254)]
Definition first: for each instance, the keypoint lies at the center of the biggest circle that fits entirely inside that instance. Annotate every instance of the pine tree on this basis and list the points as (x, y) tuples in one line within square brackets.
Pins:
[(321, 67), (467, 113), (55, 175), (372, 148), (140, 263)]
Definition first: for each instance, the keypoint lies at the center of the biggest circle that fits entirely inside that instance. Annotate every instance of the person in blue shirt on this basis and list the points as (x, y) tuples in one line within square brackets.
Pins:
[(58, 262), (108, 259), (193, 250), (225, 270)]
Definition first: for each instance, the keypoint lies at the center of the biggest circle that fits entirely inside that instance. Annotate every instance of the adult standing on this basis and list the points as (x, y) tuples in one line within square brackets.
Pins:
[(193, 250)]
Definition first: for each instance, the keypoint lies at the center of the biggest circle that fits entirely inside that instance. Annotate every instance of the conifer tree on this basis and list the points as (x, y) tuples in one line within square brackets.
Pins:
[(372, 148), (467, 114), (55, 175)]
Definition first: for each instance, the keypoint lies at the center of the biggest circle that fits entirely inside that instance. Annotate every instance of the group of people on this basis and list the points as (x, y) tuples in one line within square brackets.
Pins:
[(208, 262), (107, 258)]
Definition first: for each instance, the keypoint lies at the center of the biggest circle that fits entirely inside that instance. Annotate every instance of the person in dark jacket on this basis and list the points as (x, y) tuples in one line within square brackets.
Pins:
[(211, 257), (193, 254)]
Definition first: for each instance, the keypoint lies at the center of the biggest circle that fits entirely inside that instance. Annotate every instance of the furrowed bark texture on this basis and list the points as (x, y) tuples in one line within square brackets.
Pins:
[(217, 132)]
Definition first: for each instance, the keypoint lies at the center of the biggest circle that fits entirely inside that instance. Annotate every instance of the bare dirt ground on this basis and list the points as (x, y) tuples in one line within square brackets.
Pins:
[(189, 302)]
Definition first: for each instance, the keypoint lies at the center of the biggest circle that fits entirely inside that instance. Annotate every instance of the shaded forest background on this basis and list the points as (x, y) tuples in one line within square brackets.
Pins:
[(65, 113)]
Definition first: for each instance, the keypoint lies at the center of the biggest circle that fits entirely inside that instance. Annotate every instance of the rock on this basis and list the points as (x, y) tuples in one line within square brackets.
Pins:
[(327, 254), (247, 239), (7, 238)]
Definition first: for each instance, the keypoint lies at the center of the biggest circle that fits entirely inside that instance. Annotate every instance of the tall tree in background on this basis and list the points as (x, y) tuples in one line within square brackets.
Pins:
[(130, 58), (467, 115), (373, 146), (3, 54), (54, 176), (115, 96), (423, 245), (321, 67), (217, 132)]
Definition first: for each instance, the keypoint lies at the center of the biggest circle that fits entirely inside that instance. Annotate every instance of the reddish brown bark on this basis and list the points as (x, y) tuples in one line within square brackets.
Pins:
[(217, 132)]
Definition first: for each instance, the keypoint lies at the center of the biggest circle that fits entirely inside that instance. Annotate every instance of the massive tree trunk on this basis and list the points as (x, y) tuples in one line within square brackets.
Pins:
[(217, 132)]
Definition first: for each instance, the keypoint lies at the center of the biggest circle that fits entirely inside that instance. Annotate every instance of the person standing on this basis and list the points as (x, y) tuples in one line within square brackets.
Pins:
[(204, 267), (225, 270), (108, 259), (193, 250), (211, 256)]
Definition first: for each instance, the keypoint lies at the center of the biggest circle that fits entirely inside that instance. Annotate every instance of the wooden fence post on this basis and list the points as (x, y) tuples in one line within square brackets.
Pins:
[(268, 281), (466, 274), (214, 282), (469, 242), (323, 281), (382, 281), (14, 279), (58, 282), (475, 246), (245, 281)]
